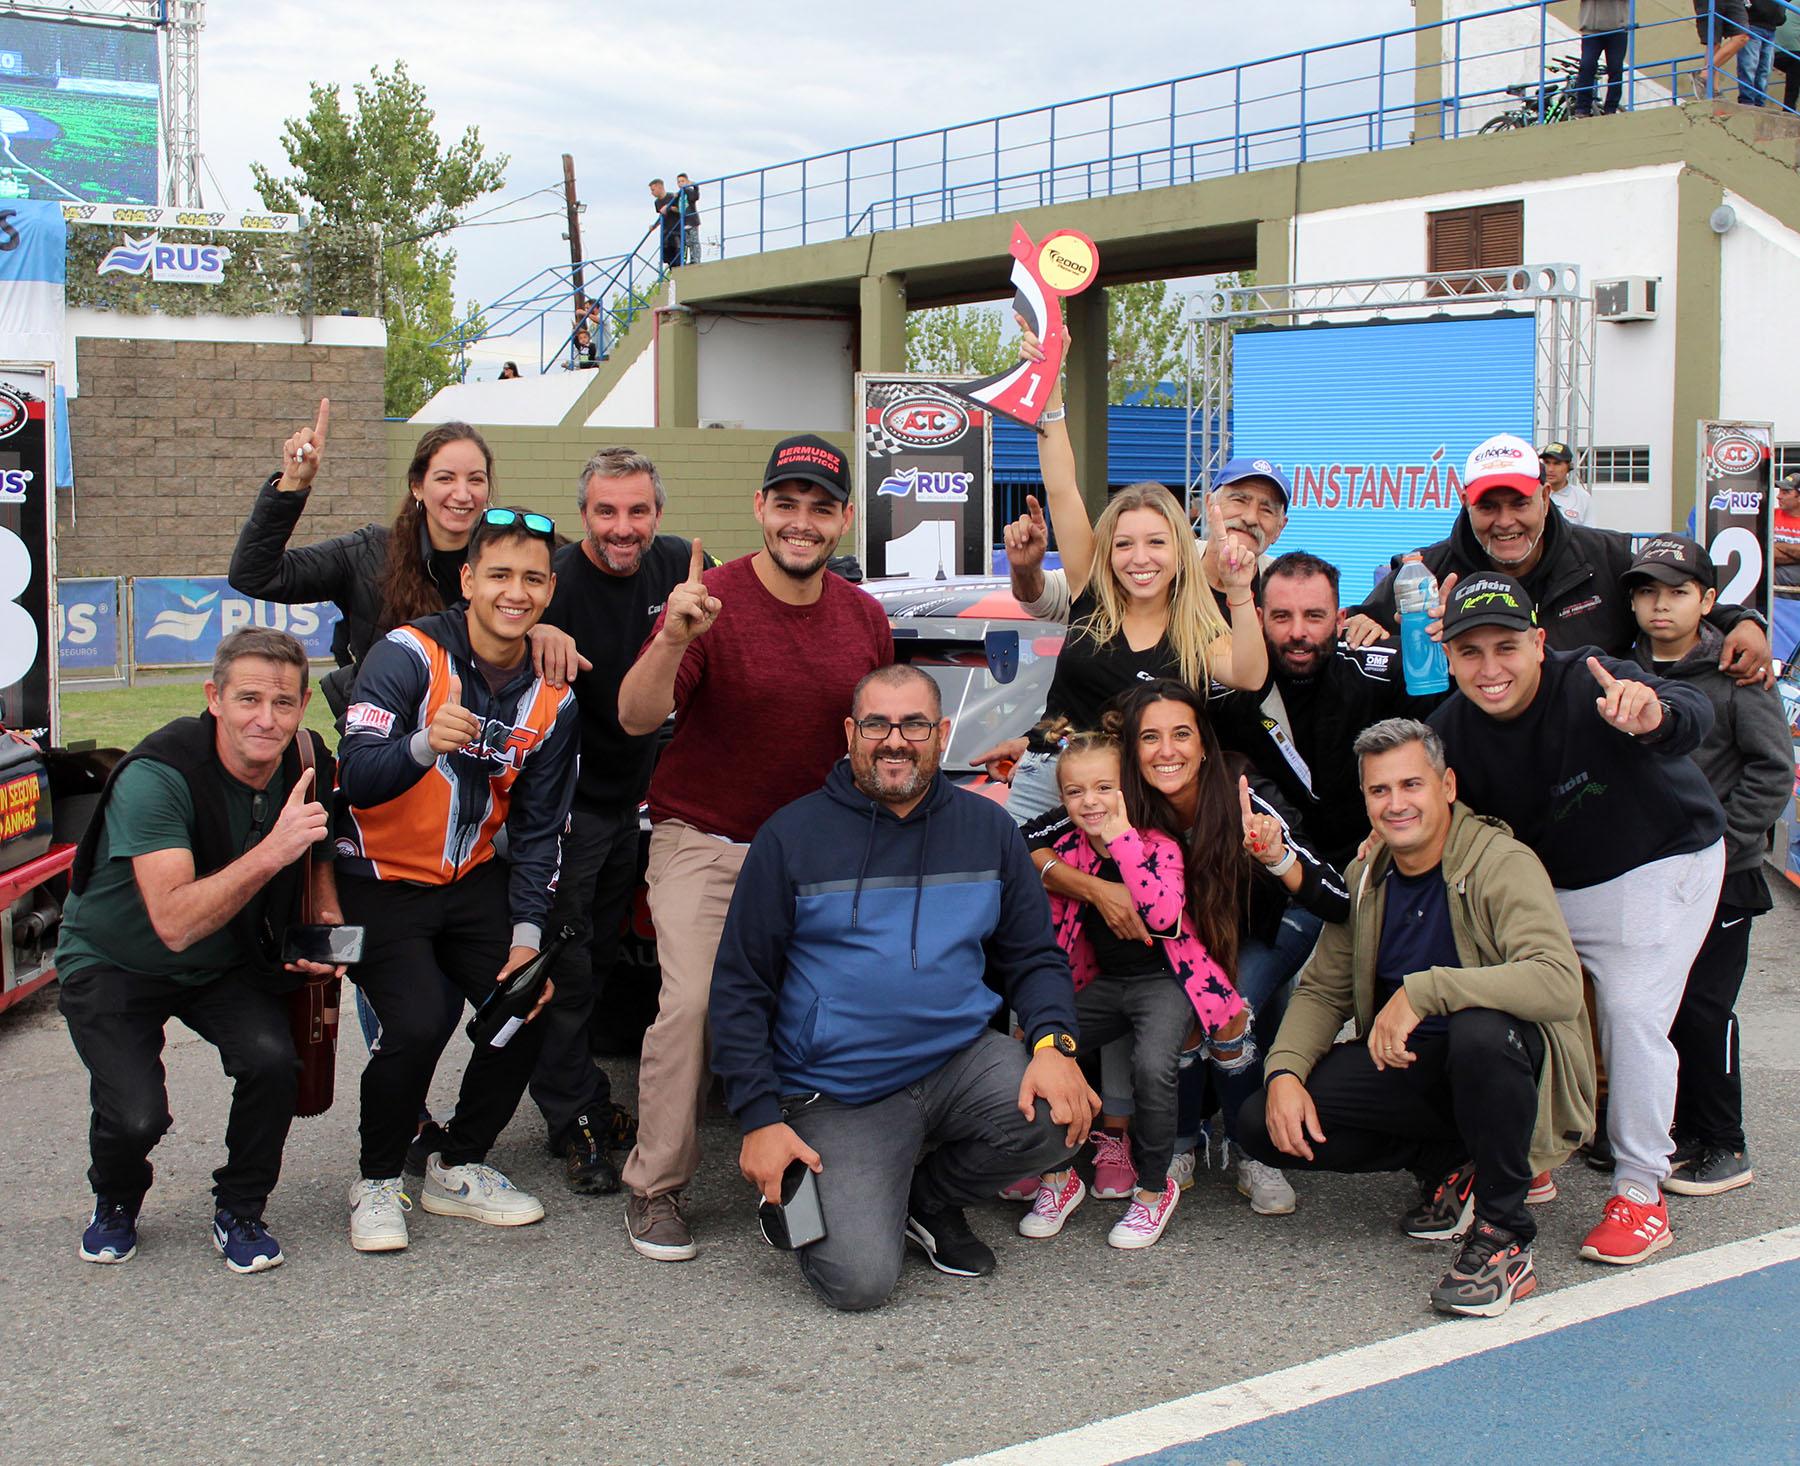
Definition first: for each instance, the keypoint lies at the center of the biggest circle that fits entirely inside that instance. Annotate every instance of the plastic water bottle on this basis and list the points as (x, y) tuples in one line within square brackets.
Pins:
[(1427, 668)]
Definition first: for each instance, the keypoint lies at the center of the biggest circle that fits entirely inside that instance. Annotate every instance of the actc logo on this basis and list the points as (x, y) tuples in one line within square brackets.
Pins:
[(925, 422), (14, 413), (1735, 453)]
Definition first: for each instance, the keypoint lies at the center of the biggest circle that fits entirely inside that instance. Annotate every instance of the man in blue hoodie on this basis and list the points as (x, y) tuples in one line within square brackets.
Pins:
[(871, 928)]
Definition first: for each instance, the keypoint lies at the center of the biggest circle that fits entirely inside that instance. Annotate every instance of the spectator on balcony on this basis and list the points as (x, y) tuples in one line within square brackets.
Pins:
[(668, 215), (1766, 17), (1604, 33), (583, 353), (1725, 26), (688, 193), (509, 372), (1787, 59)]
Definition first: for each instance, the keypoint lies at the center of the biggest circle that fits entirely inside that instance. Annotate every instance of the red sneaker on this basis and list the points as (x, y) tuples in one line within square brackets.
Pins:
[(1543, 1189), (1633, 1226)]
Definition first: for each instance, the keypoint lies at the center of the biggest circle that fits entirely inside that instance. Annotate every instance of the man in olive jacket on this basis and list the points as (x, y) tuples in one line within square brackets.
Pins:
[(1473, 1065)]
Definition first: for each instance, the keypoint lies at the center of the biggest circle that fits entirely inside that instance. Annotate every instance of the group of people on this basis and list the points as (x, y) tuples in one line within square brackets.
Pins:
[(919, 995), (678, 219), (1760, 36)]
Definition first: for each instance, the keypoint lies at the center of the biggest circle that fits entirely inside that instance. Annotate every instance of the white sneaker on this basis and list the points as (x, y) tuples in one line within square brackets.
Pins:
[(1268, 1190), (378, 1215), (1181, 1169), (1052, 1208), (1143, 1225), (478, 1192)]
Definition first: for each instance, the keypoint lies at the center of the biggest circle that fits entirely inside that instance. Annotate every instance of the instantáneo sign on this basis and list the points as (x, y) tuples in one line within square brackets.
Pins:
[(1737, 511), (167, 264), (924, 478), (180, 622)]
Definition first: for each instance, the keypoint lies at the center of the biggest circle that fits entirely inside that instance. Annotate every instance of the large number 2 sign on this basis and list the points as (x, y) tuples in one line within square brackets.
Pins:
[(1745, 577)]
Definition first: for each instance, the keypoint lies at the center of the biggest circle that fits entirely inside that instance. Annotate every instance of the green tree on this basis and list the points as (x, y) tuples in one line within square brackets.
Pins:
[(960, 340), (379, 186)]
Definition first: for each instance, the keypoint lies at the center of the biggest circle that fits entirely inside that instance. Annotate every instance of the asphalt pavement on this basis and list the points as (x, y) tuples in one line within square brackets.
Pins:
[(558, 1343)]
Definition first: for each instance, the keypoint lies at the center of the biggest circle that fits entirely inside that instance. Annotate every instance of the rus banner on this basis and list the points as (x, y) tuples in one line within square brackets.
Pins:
[(924, 489), (1735, 509), (27, 556)]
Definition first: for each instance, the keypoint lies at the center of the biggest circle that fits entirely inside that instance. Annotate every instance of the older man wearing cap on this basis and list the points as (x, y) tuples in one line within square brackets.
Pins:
[(1585, 757), (1787, 529), (757, 658), (1571, 571), (1567, 492)]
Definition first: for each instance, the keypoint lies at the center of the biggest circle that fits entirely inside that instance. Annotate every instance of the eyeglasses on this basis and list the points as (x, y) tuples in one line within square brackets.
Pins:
[(259, 811), (913, 730), (540, 524)]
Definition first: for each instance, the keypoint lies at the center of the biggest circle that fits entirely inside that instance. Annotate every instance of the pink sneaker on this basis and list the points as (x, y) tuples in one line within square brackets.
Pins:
[(1024, 1189), (1542, 1190), (1142, 1225), (1115, 1178), (1052, 1207)]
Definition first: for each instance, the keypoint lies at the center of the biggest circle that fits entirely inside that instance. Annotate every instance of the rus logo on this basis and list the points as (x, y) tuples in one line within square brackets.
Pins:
[(925, 422)]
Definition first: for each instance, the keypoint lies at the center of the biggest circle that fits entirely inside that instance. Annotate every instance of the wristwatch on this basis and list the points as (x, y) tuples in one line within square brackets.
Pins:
[(1063, 1043)]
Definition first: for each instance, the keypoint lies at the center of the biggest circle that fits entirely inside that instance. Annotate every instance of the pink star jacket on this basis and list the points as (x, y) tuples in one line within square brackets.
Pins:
[(1150, 864)]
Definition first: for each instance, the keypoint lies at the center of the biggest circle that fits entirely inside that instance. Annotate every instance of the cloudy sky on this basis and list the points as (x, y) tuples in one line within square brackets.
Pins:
[(635, 90)]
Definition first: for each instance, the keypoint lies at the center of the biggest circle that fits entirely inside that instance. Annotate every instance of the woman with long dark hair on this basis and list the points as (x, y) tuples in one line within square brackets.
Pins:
[(379, 576), (1243, 861)]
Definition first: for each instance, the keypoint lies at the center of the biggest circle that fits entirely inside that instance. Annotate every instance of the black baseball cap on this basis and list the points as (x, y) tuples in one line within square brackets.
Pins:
[(1488, 599), (1671, 558), (811, 460), (1556, 450)]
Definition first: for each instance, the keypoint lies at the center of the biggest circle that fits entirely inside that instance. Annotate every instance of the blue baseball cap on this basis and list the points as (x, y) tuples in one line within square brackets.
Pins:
[(1243, 468)]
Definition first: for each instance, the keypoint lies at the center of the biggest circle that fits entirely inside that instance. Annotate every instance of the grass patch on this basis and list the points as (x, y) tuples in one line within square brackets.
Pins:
[(119, 717)]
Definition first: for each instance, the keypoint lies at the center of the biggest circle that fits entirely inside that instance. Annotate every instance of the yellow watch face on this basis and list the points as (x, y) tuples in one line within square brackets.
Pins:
[(1065, 1043)]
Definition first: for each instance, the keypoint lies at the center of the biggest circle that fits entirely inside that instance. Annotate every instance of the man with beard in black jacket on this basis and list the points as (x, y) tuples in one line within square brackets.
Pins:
[(1572, 571)]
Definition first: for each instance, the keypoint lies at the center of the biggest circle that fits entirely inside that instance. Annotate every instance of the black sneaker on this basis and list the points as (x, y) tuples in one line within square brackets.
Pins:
[(1713, 1170), (111, 1234), (619, 1127), (1445, 1210), (586, 1166), (1492, 1269), (1686, 1152), (945, 1238), (430, 1139), (1598, 1152)]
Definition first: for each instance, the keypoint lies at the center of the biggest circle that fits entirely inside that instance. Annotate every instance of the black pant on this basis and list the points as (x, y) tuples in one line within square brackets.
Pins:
[(116, 1019), (1709, 1096), (599, 873), (1790, 90), (1154, 1012), (1611, 45), (1470, 1094), (428, 948)]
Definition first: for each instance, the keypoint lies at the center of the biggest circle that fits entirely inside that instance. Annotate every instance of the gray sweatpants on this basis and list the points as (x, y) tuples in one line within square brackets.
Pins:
[(1637, 935)]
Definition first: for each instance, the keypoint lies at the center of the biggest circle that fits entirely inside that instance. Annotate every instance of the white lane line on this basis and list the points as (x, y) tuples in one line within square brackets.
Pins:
[(1197, 1416)]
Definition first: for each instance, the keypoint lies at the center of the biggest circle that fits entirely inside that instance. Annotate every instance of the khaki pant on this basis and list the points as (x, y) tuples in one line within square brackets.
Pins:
[(691, 877)]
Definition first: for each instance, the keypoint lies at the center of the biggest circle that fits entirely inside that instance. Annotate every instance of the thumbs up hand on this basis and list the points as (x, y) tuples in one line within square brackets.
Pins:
[(452, 726)]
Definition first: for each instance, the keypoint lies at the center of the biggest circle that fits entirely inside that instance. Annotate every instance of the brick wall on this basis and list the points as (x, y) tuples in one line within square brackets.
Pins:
[(708, 473), (172, 438)]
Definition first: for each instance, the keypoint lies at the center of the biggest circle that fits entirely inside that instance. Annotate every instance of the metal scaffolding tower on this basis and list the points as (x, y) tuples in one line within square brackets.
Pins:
[(180, 21), (1563, 398)]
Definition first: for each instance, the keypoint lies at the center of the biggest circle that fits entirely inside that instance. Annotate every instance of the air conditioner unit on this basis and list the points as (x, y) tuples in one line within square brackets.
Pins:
[(1629, 298)]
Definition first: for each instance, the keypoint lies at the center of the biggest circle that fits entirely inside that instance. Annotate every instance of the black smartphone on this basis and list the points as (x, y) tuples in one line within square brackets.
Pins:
[(337, 945), (798, 1221)]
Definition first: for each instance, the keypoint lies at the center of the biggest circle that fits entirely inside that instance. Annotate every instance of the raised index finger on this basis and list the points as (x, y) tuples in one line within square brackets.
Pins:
[(322, 423), (1244, 799), (696, 564), (1606, 679), (302, 787), (1035, 510)]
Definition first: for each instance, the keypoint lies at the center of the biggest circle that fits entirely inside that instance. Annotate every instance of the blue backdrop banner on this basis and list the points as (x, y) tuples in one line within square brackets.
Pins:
[(87, 625), (178, 623), (1373, 423)]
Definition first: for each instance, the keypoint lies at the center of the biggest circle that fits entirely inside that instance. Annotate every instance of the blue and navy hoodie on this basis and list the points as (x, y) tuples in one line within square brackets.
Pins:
[(862, 951)]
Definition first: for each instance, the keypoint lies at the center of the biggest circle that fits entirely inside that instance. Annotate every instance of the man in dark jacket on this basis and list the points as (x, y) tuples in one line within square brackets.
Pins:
[(1571, 571), (850, 1012)]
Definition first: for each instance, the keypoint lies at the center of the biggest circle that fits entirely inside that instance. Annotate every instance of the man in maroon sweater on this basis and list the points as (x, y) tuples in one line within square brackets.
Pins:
[(759, 653)]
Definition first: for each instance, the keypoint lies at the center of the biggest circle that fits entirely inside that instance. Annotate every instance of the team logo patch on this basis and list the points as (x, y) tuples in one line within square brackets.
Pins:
[(1734, 453), (925, 421), (14, 413), (366, 717)]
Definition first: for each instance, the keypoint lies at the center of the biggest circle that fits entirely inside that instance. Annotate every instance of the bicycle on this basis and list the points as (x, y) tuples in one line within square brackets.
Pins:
[(1552, 101)]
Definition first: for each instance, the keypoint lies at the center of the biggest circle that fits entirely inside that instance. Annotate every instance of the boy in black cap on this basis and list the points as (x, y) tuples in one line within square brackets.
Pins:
[(1585, 758), (1749, 761)]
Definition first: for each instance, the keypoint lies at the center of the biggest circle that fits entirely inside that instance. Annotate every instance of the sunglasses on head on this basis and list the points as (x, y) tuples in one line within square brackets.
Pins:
[(534, 523)]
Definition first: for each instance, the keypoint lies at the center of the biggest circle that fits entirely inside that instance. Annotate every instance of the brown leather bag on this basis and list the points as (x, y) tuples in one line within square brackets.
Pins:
[(313, 1006)]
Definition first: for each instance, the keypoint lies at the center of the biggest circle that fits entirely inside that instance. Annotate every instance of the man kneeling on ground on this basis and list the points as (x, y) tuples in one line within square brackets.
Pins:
[(183, 886), (849, 1011), (1472, 1057)]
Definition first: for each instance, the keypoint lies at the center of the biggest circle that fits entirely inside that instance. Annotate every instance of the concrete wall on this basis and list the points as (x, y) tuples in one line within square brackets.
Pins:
[(1620, 222), (709, 474), (171, 438), (1759, 320), (632, 401), (774, 372)]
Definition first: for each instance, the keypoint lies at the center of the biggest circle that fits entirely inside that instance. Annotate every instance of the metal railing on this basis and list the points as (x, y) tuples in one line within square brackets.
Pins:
[(1350, 97)]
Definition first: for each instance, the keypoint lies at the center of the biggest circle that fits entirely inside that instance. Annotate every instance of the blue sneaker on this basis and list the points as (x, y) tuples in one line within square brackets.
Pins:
[(111, 1234), (245, 1243)]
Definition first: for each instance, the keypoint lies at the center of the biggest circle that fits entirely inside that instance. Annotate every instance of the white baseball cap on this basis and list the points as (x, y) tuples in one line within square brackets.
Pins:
[(1502, 462)]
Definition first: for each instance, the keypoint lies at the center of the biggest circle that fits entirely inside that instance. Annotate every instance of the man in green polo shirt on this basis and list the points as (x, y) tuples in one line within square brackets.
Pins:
[(182, 887)]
